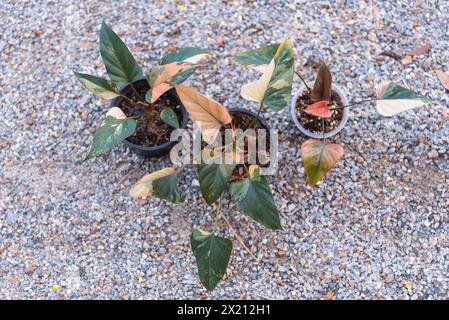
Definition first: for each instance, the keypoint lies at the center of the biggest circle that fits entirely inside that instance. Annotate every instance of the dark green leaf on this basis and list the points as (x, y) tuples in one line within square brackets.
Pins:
[(213, 180), (111, 132), (169, 117), (254, 197), (258, 56), (181, 76), (167, 188), (121, 66), (98, 86), (212, 256), (182, 54)]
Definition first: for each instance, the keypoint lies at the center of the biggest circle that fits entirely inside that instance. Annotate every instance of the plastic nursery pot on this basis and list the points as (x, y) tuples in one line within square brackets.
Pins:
[(314, 135), (164, 148), (262, 122)]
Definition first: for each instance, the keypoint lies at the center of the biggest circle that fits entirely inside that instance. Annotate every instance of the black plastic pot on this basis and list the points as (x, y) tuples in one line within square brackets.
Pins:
[(252, 114), (162, 149)]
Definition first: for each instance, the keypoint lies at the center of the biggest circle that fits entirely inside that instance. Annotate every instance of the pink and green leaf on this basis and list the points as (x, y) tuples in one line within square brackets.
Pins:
[(319, 109)]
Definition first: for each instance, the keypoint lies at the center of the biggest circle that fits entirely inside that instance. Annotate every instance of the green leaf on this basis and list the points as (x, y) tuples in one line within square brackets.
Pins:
[(393, 99), (148, 96), (103, 88), (254, 197), (167, 188), (169, 117), (212, 256), (182, 76), (257, 56), (189, 54), (121, 66), (319, 157), (213, 180), (279, 89), (111, 132), (274, 88)]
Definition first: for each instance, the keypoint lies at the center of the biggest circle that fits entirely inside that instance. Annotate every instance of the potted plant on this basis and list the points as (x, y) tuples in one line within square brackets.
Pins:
[(145, 109), (321, 111), (228, 166)]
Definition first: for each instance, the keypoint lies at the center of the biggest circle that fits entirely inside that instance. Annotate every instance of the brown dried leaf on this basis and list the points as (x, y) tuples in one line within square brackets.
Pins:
[(443, 77), (421, 50)]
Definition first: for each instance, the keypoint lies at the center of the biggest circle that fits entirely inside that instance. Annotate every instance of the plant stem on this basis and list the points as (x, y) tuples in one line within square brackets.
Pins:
[(135, 91), (242, 242), (303, 81), (253, 123)]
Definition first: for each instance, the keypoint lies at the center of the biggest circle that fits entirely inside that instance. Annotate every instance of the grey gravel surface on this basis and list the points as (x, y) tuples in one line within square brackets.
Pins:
[(377, 227)]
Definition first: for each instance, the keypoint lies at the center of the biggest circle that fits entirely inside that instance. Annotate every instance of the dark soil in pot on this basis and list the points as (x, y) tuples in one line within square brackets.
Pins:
[(314, 124), (242, 119), (152, 135)]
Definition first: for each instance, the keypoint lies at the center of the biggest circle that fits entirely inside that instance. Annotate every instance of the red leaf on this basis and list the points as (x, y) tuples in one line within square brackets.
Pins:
[(319, 109), (421, 50)]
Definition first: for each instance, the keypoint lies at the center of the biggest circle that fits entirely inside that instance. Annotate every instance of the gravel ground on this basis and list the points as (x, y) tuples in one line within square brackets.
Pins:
[(377, 227)]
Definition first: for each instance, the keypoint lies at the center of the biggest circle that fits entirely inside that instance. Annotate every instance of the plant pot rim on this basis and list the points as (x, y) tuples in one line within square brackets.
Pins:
[(307, 132), (166, 145), (262, 121)]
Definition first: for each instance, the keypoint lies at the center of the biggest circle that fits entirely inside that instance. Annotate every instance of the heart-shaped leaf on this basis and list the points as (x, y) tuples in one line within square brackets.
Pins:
[(319, 157), (253, 196), (213, 180), (188, 54), (114, 129), (120, 64), (161, 77), (161, 184), (169, 117), (212, 256), (319, 109), (208, 114), (393, 99), (443, 77), (275, 85), (103, 88), (322, 89), (256, 57)]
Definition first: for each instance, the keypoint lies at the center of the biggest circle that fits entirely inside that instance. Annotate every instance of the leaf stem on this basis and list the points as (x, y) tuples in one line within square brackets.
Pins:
[(253, 123), (135, 91), (239, 238), (303, 81), (353, 104)]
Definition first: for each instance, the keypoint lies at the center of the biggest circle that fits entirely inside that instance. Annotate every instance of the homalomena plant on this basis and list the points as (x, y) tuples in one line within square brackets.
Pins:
[(136, 109), (320, 106), (247, 187)]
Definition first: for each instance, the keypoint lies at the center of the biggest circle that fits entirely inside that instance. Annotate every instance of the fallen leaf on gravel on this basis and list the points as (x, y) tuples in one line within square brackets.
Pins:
[(408, 285), (443, 77), (219, 41), (391, 54), (421, 50), (55, 287)]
